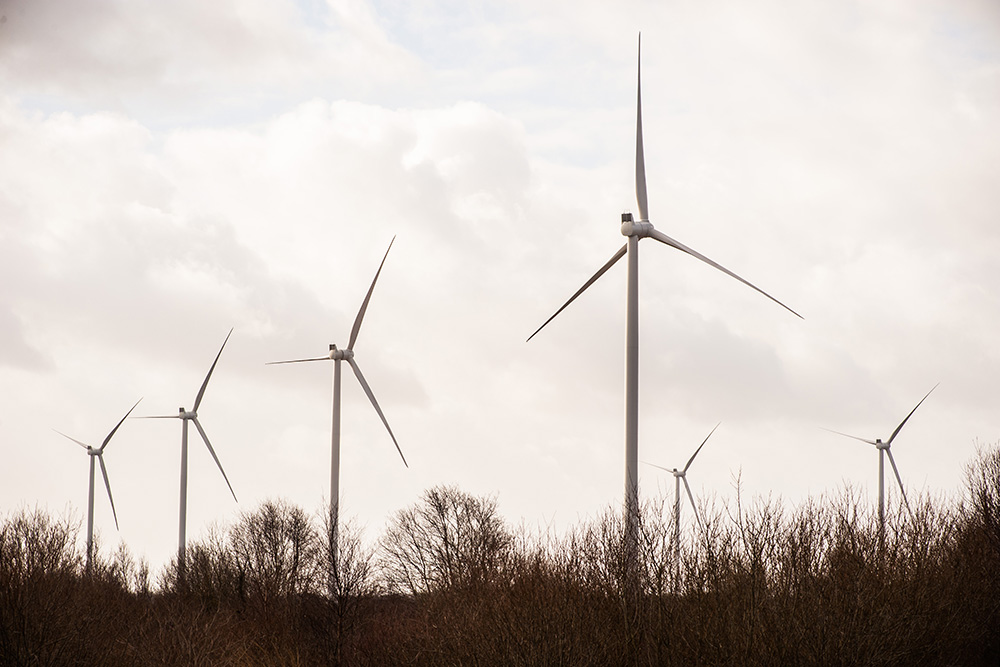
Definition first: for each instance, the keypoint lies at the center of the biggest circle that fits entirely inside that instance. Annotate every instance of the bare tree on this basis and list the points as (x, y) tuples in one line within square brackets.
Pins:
[(275, 551), (449, 539), (983, 481), (39, 570), (350, 577)]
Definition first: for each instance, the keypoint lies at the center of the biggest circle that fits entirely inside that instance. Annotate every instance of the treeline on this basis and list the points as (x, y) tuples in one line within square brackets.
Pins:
[(450, 583)]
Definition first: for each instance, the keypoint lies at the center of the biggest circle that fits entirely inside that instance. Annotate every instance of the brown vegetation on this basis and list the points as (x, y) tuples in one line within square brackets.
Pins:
[(449, 583)]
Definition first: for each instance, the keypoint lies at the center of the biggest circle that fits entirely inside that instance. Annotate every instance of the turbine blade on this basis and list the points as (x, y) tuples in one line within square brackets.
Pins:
[(663, 238), (201, 392), (160, 417), (656, 466), (211, 451), (107, 485), (600, 272), (364, 304), (640, 162), (699, 447), (694, 508), (847, 435), (82, 444), (899, 480), (108, 439), (371, 397), (898, 428), (296, 361)]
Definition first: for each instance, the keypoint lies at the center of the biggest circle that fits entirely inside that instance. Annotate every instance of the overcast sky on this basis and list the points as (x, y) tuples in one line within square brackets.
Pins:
[(169, 171)]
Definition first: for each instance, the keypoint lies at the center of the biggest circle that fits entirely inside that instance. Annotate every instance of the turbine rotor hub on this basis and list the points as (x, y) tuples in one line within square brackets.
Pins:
[(881, 445), (184, 414)]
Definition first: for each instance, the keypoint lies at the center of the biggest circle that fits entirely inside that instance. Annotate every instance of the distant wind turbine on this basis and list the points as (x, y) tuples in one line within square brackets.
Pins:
[(337, 355), (98, 453), (192, 416), (681, 475), (883, 451), (635, 231)]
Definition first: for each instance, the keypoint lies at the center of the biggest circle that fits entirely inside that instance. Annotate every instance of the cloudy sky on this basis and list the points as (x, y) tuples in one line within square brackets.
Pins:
[(169, 171)]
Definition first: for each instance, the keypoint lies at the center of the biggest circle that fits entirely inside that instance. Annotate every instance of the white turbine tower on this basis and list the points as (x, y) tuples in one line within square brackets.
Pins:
[(883, 451), (635, 230), (192, 416), (337, 356), (98, 453), (679, 476)]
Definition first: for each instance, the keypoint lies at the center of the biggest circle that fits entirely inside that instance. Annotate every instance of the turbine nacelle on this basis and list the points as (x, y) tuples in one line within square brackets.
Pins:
[(881, 445), (184, 414), (340, 355), (639, 228)]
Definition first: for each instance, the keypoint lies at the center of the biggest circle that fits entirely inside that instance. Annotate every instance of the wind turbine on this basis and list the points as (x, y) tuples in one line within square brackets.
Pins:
[(635, 230), (337, 356), (883, 451), (679, 476), (192, 416), (98, 453)]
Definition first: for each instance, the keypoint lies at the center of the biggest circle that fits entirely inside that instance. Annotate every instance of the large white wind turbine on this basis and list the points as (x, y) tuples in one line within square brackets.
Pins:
[(337, 356), (192, 416), (681, 475), (883, 451), (635, 230), (98, 453)]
